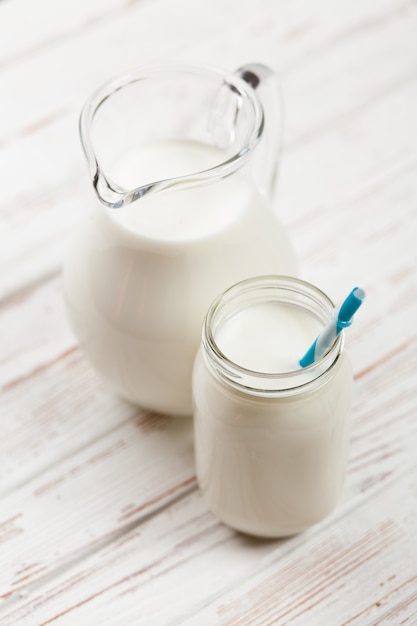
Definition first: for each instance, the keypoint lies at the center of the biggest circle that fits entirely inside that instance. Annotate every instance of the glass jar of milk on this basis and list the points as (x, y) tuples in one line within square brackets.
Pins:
[(270, 437)]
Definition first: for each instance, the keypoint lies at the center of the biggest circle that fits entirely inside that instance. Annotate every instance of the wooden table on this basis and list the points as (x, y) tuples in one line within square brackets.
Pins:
[(101, 519)]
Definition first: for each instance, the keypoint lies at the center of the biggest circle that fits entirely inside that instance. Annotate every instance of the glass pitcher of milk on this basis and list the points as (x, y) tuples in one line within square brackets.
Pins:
[(183, 161)]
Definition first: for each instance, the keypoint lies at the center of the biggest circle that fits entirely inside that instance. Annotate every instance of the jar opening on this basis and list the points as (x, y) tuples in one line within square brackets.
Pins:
[(299, 297)]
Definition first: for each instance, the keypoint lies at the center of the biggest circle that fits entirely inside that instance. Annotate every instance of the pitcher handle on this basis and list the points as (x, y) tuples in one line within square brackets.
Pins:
[(266, 160)]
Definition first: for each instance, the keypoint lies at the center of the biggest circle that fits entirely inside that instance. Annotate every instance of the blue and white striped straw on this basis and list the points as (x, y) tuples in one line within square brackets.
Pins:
[(341, 318)]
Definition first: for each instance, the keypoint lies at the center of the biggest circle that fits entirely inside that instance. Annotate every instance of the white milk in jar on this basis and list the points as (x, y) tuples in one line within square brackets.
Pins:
[(270, 437), (139, 279)]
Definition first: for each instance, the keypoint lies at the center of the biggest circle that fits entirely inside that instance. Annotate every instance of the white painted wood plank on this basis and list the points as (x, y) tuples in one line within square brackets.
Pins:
[(93, 495), (403, 613), (35, 332), (357, 155), (351, 573), (49, 414), (34, 234), (25, 30), (183, 563), (383, 430), (362, 64), (144, 557)]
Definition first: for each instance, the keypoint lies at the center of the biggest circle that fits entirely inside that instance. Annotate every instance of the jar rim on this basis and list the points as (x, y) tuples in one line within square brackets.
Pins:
[(253, 382)]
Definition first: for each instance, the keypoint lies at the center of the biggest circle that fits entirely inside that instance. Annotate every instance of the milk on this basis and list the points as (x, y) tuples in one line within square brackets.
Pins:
[(139, 280), (268, 337), (197, 214), (269, 463)]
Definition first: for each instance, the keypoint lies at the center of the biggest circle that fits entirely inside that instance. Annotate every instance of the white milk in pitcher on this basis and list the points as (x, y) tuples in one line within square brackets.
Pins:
[(139, 279), (270, 437)]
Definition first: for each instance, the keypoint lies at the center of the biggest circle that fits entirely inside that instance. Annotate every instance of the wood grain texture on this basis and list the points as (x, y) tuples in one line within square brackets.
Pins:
[(309, 583), (101, 520)]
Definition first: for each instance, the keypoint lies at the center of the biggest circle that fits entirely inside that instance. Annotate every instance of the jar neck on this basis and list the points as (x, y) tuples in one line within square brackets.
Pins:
[(267, 289)]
